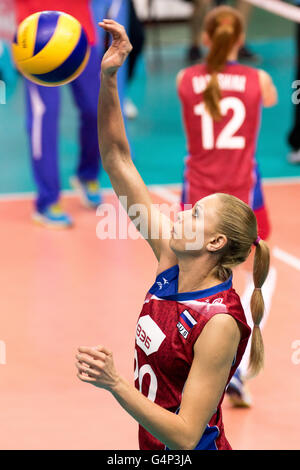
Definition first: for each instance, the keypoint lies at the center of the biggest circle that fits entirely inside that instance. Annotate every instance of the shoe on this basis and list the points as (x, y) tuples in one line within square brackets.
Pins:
[(130, 109), (237, 393), (246, 54), (194, 54), (89, 192), (294, 157), (53, 217)]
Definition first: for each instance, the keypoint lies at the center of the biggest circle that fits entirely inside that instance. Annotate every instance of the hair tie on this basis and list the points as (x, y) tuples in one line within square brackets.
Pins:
[(257, 288), (256, 242), (225, 20)]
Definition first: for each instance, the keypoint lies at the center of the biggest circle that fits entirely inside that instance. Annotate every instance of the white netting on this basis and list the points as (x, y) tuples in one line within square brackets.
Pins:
[(278, 7)]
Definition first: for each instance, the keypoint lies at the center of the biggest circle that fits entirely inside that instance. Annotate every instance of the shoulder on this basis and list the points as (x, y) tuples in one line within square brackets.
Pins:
[(264, 77), (222, 324), (268, 88), (189, 72), (219, 338), (179, 76)]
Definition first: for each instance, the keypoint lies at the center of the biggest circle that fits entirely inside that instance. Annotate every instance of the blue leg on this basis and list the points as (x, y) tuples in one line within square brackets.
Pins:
[(42, 108), (85, 91)]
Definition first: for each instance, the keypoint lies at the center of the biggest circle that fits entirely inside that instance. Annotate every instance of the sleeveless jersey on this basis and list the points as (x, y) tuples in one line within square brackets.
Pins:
[(221, 154), (80, 9), (167, 329)]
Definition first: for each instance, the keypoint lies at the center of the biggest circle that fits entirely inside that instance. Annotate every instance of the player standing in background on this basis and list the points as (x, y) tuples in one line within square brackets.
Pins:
[(42, 115), (192, 331), (221, 105)]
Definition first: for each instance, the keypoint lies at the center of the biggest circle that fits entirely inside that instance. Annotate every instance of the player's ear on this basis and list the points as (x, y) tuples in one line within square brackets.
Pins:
[(241, 40), (205, 39), (216, 243)]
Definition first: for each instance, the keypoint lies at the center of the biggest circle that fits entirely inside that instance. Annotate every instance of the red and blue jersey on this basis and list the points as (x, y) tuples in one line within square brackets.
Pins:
[(221, 154), (167, 329), (80, 9)]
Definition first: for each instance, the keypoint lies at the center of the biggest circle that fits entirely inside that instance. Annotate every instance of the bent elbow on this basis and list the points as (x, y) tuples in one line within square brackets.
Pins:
[(186, 443)]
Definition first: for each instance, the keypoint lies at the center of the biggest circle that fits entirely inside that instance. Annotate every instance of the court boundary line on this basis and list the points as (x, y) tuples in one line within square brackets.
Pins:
[(156, 188), (287, 258)]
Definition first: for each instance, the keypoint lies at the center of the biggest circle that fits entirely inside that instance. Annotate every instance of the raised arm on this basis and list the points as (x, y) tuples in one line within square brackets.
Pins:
[(115, 152)]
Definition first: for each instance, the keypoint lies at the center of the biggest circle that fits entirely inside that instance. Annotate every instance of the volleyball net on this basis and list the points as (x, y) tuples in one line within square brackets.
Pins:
[(180, 10), (278, 7)]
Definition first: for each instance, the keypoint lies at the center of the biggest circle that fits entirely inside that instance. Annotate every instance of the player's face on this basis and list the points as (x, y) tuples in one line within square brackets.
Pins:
[(194, 228)]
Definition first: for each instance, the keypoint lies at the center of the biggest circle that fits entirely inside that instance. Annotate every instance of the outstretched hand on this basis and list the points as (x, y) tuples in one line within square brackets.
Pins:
[(96, 366), (119, 49)]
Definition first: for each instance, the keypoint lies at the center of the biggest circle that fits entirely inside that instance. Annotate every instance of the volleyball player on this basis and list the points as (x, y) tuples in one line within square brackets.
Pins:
[(221, 105), (192, 332), (42, 116)]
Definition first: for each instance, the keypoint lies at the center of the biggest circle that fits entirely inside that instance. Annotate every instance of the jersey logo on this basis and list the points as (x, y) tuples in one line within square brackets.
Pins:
[(160, 284), (148, 335), (186, 323), (218, 301)]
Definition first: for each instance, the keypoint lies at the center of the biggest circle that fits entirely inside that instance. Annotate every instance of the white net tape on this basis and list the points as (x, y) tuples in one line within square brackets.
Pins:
[(278, 7)]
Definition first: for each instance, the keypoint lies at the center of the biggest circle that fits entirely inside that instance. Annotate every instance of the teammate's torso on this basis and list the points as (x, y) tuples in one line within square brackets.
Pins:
[(221, 153), (167, 329), (80, 9)]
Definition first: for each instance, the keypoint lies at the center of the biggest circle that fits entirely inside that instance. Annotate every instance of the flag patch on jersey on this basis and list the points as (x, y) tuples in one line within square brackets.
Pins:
[(186, 323)]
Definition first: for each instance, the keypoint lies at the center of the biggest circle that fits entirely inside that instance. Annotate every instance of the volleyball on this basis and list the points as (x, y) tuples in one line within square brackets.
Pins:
[(50, 48)]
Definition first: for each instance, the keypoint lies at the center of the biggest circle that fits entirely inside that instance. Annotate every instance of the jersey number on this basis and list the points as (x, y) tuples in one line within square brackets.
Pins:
[(227, 138), (140, 373)]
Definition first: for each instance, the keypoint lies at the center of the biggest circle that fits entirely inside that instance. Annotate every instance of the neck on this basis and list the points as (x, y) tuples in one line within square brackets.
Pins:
[(233, 56), (196, 273)]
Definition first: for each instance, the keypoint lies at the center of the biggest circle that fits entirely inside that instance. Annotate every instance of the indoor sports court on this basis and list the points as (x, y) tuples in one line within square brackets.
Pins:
[(61, 289)]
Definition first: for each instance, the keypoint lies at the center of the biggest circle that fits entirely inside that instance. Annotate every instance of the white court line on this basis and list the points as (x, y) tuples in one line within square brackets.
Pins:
[(166, 193), (165, 190), (281, 181), (287, 258), (70, 192)]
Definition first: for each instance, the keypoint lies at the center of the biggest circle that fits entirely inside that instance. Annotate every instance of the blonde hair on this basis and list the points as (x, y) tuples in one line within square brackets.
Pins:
[(224, 26), (238, 223)]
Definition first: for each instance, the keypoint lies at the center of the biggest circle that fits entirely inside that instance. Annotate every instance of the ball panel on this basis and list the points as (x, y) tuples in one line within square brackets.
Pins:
[(69, 67), (24, 43), (46, 27), (58, 49), (67, 80)]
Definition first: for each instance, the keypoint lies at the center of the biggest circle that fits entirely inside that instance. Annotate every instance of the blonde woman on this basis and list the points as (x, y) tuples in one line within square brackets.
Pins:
[(192, 332)]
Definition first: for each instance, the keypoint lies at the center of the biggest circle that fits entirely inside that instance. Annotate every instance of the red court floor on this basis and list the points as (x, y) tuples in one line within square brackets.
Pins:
[(62, 289)]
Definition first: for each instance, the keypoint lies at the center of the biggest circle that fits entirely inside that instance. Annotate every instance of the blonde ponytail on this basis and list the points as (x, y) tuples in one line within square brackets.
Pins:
[(238, 222), (257, 306)]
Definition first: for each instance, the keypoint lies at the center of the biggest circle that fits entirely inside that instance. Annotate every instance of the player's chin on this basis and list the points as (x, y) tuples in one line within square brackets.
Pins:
[(177, 244)]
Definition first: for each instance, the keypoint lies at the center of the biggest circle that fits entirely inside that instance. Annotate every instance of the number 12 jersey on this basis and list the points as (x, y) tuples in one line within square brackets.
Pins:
[(221, 154)]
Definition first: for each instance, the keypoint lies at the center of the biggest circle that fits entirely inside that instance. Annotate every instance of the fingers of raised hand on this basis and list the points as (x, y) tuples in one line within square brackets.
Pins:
[(112, 26)]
